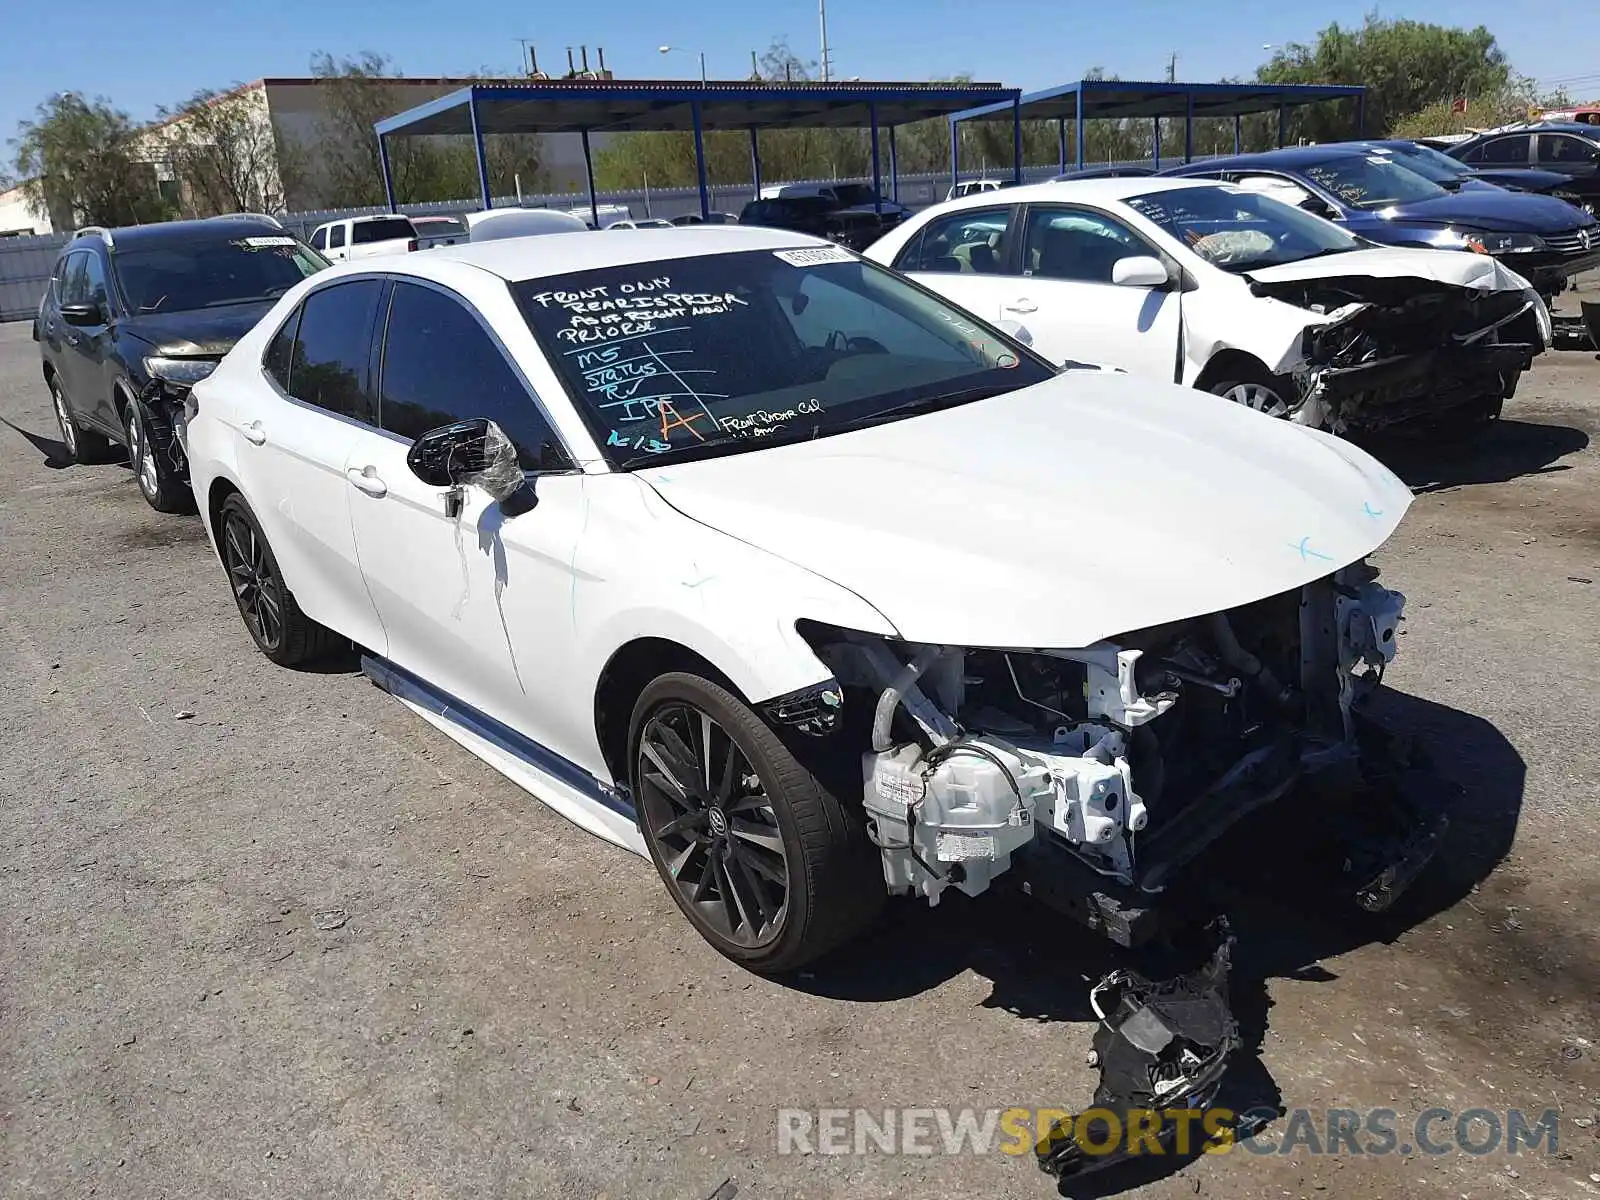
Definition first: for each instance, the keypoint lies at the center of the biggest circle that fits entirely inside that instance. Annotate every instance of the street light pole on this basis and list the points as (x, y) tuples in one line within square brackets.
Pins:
[(681, 50)]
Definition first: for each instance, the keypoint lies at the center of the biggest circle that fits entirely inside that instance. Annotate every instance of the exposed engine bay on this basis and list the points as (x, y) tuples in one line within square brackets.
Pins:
[(1399, 349), (1114, 764)]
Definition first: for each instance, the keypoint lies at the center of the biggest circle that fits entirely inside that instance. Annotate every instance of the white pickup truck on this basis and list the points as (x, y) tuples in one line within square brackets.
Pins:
[(362, 237)]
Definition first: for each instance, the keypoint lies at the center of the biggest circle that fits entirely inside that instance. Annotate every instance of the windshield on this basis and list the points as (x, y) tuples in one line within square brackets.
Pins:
[(691, 357), (1371, 181), (439, 227), (192, 275), (1429, 163), (1238, 231)]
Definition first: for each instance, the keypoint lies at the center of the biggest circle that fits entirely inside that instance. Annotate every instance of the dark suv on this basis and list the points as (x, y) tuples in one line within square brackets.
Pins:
[(134, 317), (817, 216)]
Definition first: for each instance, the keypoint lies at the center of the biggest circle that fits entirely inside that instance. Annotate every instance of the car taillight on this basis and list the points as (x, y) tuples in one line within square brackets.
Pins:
[(412, 244)]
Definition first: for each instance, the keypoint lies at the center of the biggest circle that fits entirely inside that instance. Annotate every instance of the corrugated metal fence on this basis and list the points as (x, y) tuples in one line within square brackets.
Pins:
[(25, 262)]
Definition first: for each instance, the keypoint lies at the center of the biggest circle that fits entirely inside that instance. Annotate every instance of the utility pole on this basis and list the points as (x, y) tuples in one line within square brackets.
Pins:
[(822, 18), (1172, 67)]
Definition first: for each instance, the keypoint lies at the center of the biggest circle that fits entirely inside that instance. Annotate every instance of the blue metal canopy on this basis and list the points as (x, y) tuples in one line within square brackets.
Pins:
[(1112, 99), (586, 106)]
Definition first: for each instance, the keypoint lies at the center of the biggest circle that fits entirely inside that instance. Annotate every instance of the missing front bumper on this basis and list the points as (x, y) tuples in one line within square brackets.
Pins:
[(1414, 387)]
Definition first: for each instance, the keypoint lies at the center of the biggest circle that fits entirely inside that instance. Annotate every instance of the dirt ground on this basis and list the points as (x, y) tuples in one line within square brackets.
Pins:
[(512, 1008)]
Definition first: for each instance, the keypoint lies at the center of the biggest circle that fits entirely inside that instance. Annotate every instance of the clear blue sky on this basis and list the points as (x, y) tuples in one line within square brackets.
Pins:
[(161, 51)]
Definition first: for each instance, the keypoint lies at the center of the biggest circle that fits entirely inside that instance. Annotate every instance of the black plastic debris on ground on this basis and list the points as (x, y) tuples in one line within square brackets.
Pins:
[(1162, 1046)]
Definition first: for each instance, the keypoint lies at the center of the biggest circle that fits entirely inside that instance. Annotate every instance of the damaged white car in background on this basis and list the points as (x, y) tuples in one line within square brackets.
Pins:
[(746, 554), (1235, 293)]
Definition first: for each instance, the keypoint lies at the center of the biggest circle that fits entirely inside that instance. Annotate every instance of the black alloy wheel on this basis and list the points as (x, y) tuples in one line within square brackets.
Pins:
[(713, 826), (257, 588)]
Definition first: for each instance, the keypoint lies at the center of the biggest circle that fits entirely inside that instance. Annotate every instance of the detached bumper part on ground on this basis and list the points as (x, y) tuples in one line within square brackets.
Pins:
[(1162, 1046)]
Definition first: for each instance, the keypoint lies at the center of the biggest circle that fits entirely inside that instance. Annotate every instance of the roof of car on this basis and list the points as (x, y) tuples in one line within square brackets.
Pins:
[(168, 233), (543, 255), (1116, 187), (1286, 159)]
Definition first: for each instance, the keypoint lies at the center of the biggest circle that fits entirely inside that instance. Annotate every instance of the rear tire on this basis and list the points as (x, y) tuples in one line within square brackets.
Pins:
[(770, 867), (277, 626), (82, 446), (164, 488)]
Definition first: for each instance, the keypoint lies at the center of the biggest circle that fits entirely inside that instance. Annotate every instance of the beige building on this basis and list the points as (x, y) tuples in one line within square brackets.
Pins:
[(297, 109), (19, 218)]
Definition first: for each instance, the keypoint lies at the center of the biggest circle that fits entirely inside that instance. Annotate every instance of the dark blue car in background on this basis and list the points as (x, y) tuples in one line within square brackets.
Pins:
[(1543, 239), (1453, 176)]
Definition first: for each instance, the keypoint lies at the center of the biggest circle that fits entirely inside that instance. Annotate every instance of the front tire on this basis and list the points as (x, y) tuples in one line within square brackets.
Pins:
[(768, 864), (277, 626), (1256, 390), (160, 483)]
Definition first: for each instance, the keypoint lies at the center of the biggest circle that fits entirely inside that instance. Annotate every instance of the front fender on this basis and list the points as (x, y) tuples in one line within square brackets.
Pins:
[(1270, 331), (644, 569)]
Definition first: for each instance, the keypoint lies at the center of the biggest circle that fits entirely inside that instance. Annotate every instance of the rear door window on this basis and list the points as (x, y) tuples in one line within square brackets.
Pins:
[(278, 361), (971, 242), (441, 366), (335, 237), (1507, 151), (332, 349)]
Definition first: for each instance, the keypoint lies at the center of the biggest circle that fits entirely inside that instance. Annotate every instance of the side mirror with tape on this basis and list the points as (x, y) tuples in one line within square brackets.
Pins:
[(473, 453)]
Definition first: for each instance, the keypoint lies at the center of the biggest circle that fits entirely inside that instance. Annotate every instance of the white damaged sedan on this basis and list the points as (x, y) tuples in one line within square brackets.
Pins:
[(1236, 293), (746, 554)]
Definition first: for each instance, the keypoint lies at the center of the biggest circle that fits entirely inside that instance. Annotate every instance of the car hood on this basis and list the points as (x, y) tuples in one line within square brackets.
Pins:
[(200, 332), (1054, 516), (1506, 212), (1458, 267)]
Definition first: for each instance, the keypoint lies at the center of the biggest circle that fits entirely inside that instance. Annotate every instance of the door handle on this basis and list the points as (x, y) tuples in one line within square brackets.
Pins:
[(253, 433), (366, 479), (1023, 305)]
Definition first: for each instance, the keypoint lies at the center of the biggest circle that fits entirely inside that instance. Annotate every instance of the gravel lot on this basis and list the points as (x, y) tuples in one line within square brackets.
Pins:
[(512, 1008)]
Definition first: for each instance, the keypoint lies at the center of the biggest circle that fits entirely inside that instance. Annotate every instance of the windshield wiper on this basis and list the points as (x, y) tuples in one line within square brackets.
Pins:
[(924, 404)]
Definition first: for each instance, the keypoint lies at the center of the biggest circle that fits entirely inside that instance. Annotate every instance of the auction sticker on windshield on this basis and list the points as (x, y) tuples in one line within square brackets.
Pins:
[(266, 241), (813, 257)]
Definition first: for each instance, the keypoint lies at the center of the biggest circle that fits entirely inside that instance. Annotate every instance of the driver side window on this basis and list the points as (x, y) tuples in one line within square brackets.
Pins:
[(439, 367), (1076, 245)]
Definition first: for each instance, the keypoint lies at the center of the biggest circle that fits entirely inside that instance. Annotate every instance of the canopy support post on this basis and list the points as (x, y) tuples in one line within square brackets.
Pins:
[(477, 149), (588, 174), (1077, 122), (877, 167), (1016, 140), (894, 169), (700, 159), (388, 173)]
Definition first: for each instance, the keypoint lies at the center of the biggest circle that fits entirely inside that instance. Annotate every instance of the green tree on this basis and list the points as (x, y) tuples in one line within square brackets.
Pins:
[(221, 146), (341, 167), (1404, 65), (81, 161)]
